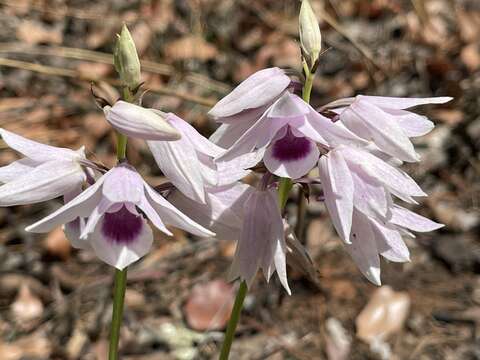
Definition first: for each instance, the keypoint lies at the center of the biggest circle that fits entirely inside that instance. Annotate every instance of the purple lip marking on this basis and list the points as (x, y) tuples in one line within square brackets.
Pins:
[(291, 148), (121, 227)]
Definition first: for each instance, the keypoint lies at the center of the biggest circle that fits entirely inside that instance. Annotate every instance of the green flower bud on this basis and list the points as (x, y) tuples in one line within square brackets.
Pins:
[(125, 59), (310, 37)]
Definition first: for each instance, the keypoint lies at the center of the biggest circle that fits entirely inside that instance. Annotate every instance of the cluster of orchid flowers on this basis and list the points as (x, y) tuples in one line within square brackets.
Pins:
[(358, 145)]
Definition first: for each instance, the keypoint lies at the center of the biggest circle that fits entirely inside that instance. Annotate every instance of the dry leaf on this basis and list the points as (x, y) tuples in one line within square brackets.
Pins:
[(34, 346), (189, 48), (57, 245), (383, 316), (26, 306), (470, 56), (209, 305), (338, 341), (34, 33)]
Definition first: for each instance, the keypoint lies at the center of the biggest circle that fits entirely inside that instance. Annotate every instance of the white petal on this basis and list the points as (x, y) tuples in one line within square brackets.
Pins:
[(413, 125), (394, 179), (199, 142), (385, 131), (123, 184), (370, 196), (138, 122), (172, 216), (95, 216), (338, 188), (257, 90), (222, 212), (36, 151), (293, 169), (16, 169), (179, 162), (288, 106), (256, 137), (153, 216), (281, 265), (363, 248), (402, 102), (410, 220), (80, 206), (121, 255), (47, 181), (390, 243)]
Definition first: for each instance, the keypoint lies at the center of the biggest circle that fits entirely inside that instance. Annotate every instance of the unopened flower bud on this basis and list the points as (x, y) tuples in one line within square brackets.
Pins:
[(310, 37), (125, 59)]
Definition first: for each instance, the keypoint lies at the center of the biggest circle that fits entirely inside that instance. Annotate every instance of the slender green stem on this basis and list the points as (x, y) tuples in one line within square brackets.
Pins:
[(232, 323), (283, 190), (121, 146), (117, 312), (301, 202)]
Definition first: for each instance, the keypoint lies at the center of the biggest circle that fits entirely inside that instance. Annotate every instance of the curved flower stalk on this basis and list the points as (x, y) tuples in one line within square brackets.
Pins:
[(45, 172), (116, 229), (287, 134)]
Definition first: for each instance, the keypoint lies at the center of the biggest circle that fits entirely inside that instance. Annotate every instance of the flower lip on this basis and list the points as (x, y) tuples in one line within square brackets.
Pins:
[(291, 148), (121, 227)]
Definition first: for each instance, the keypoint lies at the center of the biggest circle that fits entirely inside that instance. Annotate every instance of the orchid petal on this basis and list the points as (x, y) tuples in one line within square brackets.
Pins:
[(47, 181), (291, 156), (16, 169), (410, 220), (179, 162), (123, 184), (135, 121), (394, 179), (403, 102), (338, 189), (255, 91), (363, 248), (35, 150), (80, 206), (390, 243), (172, 216), (385, 131), (153, 216), (413, 125), (121, 255)]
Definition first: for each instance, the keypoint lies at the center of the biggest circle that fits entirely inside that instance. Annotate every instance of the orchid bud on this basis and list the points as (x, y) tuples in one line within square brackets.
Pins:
[(310, 37), (138, 122), (125, 59)]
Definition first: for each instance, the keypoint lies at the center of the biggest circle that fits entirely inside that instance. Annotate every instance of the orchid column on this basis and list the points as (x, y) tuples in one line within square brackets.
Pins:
[(310, 40)]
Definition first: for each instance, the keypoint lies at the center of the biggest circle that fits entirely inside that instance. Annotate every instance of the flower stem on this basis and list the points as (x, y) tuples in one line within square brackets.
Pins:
[(117, 312), (121, 147), (283, 190), (232, 323), (301, 201)]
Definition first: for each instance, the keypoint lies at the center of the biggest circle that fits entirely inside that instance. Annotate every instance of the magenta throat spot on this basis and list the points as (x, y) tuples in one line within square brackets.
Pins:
[(121, 227), (291, 148)]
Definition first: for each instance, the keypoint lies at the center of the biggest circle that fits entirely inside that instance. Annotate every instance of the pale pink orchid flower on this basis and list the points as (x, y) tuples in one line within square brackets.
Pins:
[(261, 244), (189, 164), (287, 136), (243, 106), (139, 122), (222, 211), (386, 122), (116, 229), (358, 188), (45, 172)]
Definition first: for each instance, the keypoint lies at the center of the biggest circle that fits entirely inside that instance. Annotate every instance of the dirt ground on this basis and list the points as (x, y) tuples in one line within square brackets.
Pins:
[(55, 301)]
